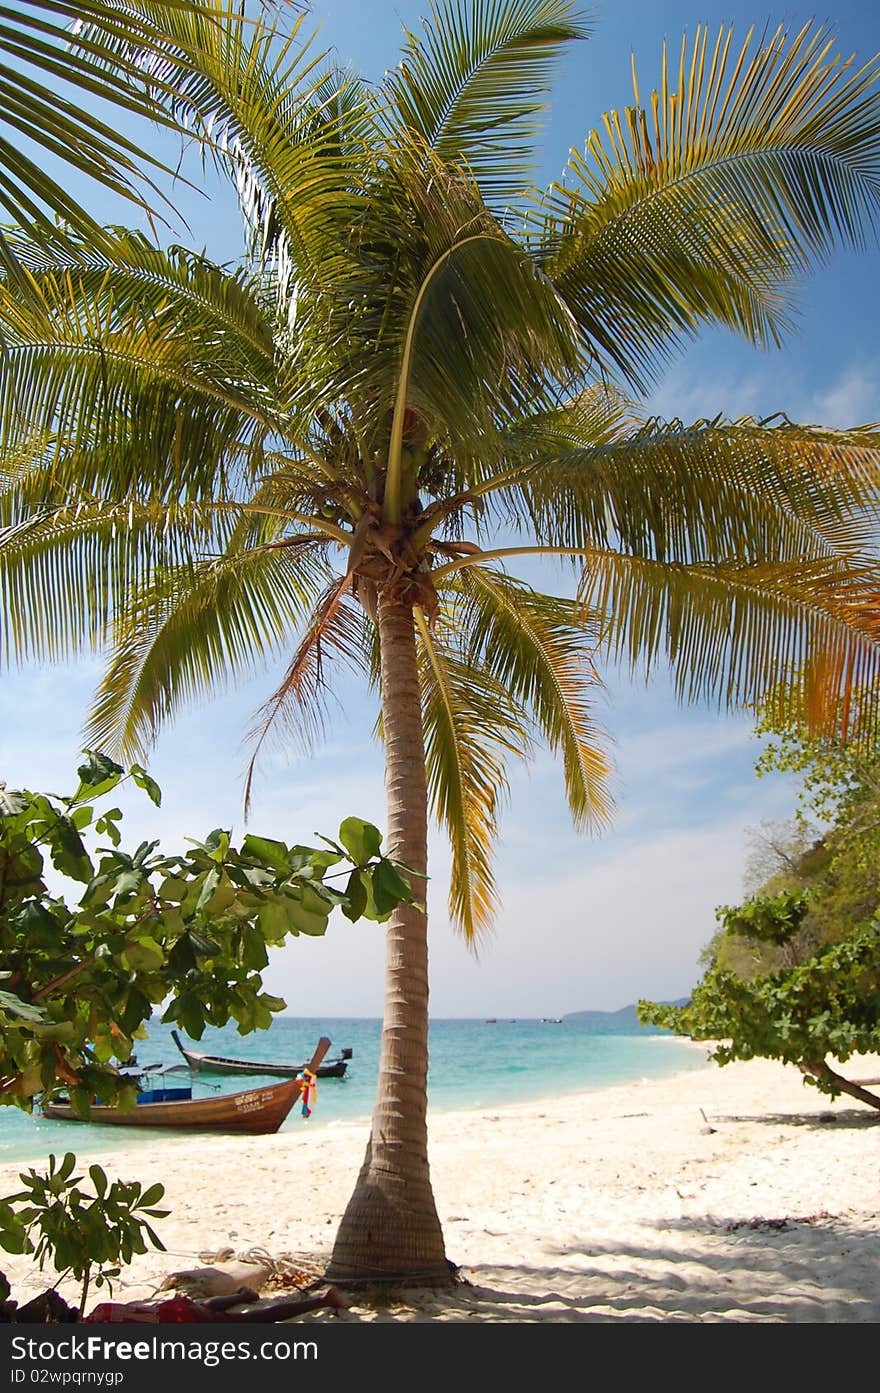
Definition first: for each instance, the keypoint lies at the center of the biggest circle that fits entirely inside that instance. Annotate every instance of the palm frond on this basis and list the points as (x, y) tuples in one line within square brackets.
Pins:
[(704, 491), (336, 629), (193, 630), (538, 648), (472, 728), (745, 170), (474, 84), (155, 367), (52, 52), (66, 572), (462, 329), (733, 634), (259, 99)]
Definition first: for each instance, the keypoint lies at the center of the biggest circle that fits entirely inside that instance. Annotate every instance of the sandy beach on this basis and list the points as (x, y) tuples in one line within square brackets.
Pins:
[(601, 1206)]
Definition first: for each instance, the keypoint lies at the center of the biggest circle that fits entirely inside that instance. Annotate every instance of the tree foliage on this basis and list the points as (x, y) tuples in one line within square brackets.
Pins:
[(423, 370), (193, 931), (58, 57), (794, 972), (423, 354), (82, 1233), (826, 1006)]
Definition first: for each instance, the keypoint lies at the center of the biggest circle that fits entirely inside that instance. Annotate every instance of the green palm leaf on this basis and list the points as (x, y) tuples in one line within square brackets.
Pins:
[(192, 630), (336, 629), (51, 53), (539, 650), (129, 345), (66, 572), (747, 167), (475, 82), (258, 98), (707, 490), (734, 633)]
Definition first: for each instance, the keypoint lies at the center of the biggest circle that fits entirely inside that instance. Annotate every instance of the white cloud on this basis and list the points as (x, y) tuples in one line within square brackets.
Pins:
[(629, 921), (853, 400), (681, 746)]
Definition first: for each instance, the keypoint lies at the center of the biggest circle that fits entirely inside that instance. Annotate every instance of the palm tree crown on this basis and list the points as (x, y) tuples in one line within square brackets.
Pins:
[(427, 368)]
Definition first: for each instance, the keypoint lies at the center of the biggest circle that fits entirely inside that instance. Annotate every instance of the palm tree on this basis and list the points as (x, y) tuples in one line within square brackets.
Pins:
[(425, 370)]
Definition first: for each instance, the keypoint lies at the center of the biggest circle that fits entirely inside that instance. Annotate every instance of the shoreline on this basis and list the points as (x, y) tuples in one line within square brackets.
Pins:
[(709, 1194), (136, 1141)]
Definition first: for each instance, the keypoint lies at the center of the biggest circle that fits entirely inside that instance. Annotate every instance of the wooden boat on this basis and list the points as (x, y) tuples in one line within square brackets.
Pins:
[(258, 1110), (223, 1064)]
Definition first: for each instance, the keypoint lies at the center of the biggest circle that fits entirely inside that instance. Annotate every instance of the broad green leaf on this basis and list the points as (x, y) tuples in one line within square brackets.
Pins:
[(389, 888), (209, 885), (356, 894), (99, 1180), (15, 1007), (361, 839), (149, 785), (265, 851), (143, 954), (11, 802), (68, 853), (97, 774)]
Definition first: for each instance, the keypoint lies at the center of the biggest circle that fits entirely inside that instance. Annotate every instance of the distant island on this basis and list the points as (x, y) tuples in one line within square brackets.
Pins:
[(623, 1021)]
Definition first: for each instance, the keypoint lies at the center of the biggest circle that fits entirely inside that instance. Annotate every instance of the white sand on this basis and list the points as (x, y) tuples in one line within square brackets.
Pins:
[(598, 1206)]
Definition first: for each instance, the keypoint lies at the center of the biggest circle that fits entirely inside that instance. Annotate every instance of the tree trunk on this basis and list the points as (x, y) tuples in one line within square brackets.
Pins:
[(390, 1230), (823, 1071)]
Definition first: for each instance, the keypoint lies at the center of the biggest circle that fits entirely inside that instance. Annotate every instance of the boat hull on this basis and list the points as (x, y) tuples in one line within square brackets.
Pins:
[(223, 1064), (206, 1064), (255, 1111)]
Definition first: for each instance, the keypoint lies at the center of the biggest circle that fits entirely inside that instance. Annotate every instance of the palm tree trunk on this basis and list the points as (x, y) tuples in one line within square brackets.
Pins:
[(390, 1230)]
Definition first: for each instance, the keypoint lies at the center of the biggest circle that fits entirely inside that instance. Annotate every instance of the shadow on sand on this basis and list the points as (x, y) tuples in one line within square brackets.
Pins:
[(773, 1269), (845, 1118)]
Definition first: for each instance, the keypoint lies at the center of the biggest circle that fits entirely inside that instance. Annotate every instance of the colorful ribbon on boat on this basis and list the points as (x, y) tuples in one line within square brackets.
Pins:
[(309, 1083)]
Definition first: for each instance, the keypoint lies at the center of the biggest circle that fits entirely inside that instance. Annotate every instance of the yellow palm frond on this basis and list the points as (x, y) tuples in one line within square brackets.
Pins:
[(472, 728), (732, 633), (538, 648), (747, 164)]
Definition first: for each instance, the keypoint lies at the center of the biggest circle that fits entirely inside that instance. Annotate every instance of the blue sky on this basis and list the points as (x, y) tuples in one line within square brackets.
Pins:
[(584, 923)]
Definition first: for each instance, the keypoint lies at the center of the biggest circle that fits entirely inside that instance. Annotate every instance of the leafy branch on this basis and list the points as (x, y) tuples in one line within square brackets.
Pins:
[(192, 931), (51, 1217)]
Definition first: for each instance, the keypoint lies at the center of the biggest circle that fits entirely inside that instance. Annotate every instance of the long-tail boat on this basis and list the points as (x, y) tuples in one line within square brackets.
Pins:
[(258, 1110), (224, 1064)]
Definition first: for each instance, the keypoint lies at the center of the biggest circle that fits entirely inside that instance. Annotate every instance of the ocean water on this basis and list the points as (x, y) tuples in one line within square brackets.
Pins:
[(474, 1064)]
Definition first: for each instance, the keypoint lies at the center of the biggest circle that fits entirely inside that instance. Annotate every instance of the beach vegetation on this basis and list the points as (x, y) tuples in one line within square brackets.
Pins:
[(827, 1006), (186, 934), (794, 971), (88, 1235), (426, 372)]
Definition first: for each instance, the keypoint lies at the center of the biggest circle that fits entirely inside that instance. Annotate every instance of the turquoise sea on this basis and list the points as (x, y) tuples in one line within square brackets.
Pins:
[(474, 1064)]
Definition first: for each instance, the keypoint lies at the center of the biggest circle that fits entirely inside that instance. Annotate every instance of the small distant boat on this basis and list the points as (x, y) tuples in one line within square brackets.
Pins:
[(256, 1111), (491, 1020), (223, 1064), (551, 1020)]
